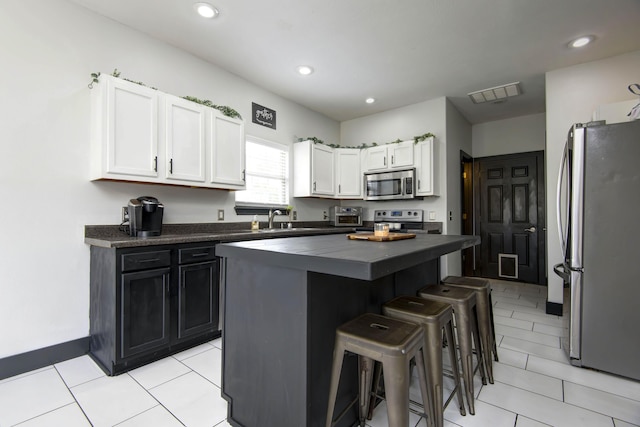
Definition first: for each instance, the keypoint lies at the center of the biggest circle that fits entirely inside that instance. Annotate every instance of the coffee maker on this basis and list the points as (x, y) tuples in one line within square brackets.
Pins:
[(145, 216)]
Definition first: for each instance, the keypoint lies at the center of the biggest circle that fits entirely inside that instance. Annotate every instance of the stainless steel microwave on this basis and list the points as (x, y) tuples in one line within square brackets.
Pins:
[(391, 185)]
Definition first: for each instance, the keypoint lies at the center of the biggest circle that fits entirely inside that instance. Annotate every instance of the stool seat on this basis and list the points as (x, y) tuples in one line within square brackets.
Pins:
[(391, 342), (463, 302), (434, 317)]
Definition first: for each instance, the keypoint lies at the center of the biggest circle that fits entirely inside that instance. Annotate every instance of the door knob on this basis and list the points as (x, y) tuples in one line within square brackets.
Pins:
[(531, 229)]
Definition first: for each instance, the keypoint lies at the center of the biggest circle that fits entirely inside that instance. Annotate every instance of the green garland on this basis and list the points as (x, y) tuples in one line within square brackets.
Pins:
[(227, 111), (416, 139)]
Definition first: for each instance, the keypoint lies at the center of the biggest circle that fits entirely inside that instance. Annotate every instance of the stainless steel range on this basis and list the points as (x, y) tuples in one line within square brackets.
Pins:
[(400, 220)]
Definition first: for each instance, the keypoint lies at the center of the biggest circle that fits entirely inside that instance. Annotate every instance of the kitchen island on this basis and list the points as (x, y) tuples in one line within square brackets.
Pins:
[(283, 300)]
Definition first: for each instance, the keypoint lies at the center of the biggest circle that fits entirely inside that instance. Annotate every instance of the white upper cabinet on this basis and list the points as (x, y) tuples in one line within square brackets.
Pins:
[(348, 173), (313, 170), (142, 134), (388, 157), (426, 170), (227, 152), (125, 131), (185, 140)]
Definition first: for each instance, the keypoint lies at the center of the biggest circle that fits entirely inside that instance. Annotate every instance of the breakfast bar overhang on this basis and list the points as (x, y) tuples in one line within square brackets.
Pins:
[(282, 300)]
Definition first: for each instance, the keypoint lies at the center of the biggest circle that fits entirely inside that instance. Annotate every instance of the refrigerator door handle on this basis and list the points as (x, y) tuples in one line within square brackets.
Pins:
[(559, 269), (563, 163)]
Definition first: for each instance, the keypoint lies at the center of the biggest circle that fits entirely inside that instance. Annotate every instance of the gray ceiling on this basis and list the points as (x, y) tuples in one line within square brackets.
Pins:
[(398, 51)]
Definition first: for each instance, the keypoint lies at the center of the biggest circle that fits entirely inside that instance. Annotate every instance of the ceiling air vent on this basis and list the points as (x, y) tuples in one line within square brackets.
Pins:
[(496, 94)]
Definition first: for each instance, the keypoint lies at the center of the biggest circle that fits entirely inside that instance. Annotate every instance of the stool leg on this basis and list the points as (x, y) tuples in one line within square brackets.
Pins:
[(493, 330), (484, 329), (366, 366), (478, 346), (448, 330), (396, 385), (336, 369), (433, 420), (377, 373), (466, 356), (433, 364)]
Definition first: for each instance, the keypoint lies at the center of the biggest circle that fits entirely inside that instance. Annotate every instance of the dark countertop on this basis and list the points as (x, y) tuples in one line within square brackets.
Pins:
[(110, 236), (340, 256)]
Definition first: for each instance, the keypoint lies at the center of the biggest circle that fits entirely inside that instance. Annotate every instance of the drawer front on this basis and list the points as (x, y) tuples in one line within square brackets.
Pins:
[(204, 253), (146, 260)]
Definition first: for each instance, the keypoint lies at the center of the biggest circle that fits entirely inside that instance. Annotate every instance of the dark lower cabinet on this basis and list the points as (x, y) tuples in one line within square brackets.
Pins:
[(147, 303)]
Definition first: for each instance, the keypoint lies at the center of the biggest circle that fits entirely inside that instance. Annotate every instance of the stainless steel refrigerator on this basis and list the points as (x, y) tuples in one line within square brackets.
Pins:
[(599, 227)]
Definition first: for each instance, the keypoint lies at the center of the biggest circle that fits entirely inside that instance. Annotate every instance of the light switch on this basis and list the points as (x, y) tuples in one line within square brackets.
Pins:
[(432, 215), (220, 214)]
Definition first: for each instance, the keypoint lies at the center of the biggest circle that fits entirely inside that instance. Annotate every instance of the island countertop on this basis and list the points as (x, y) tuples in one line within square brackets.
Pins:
[(337, 255)]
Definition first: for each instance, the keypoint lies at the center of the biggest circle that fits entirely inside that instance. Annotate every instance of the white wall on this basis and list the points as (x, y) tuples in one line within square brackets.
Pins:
[(573, 94), (49, 48), (515, 135)]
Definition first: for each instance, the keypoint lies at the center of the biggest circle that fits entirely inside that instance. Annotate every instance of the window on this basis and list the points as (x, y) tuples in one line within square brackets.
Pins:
[(267, 174)]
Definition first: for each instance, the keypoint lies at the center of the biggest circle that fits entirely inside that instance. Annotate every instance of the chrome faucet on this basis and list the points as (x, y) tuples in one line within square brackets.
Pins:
[(271, 215)]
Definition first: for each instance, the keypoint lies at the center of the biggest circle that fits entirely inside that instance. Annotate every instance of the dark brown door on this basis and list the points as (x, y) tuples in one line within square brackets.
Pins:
[(510, 216)]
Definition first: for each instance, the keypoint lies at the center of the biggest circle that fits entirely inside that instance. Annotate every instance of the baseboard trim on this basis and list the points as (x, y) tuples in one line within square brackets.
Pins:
[(554, 308), (36, 359)]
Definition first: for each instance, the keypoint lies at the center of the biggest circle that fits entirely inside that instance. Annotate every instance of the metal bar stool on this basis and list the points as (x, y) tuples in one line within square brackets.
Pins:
[(434, 317), (391, 342), (482, 287), (463, 302)]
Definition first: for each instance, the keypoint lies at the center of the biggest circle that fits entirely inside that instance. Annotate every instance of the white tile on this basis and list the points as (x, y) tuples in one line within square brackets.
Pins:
[(536, 337), (216, 343), (208, 364), (606, 403), (512, 357), (530, 405), (502, 312), (192, 351), (79, 370), (527, 380), (545, 319), (597, 380), (549, 330), (620, 423), (193, 400), (223, 424), (26, 374), (519, 308), (486, 415), (514, 323), (28, 396), (528, 422), (67, 416), (380, 419), (553, 353), (158, 416), (109, 400), (159, 372)]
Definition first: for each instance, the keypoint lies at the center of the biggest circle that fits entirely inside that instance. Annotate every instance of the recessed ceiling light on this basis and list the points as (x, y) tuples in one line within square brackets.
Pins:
[(206, 10), (370, 100), (582, 41), (305, 70)]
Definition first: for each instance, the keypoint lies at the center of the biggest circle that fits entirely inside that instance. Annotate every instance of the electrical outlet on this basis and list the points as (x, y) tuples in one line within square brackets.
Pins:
[(294, 216), (220, 214), (125, 214)]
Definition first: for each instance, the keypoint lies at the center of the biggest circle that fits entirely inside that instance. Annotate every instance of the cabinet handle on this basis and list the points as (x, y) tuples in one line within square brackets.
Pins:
[(418, 184), (314, 186), (155, 164), (339, 188), (171, 166), (385, 160), (149, 260), (392, 160), (200, 254), (244, 174)]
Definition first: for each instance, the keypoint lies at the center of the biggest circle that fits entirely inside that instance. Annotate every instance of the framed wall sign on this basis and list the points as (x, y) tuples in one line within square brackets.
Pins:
[(263, 116)]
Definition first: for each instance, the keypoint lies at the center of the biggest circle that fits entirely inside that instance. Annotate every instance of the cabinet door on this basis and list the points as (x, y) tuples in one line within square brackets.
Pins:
[(322, 172), (185, 140), (425, 168), (348, 175), (376, 158), (131, 129), (198, 299), (144, 313), (227, 152), (401, 155)]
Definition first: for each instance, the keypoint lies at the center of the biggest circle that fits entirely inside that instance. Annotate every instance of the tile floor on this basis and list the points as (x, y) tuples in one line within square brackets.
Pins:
[(534, 384)]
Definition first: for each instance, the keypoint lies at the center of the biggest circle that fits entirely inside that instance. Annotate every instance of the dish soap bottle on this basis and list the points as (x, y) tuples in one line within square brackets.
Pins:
[(255, 225)]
